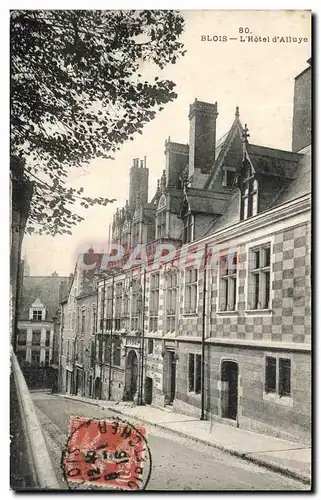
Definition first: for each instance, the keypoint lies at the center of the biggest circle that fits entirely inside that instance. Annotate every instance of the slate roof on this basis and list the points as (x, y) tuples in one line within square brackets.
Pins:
[(204, 201), (49, 289), (275, 162), (299, 164)]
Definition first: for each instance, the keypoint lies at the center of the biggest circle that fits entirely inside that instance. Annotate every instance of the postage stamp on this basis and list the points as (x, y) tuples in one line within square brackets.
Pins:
[(106, 453)]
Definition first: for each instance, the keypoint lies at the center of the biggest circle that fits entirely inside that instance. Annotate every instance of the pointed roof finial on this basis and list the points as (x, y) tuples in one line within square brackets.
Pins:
[(163, 181), (245, 134), (237, 112)]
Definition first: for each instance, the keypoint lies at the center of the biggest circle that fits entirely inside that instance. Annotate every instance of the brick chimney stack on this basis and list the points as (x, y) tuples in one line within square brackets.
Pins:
[(138, 182), (202, 138)]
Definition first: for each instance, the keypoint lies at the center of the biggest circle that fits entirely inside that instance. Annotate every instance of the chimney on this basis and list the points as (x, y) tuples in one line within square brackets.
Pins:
[(176, 160), (301, 128), (202, 137), (138, 182)]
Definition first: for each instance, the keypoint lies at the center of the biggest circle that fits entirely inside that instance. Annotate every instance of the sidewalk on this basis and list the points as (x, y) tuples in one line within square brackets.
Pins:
[(286, 457)]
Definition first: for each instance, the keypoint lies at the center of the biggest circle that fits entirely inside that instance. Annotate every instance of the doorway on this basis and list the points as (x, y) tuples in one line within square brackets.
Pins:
[(148, 390), (97, 388), (172, 369), (131, 376), (229, 396)]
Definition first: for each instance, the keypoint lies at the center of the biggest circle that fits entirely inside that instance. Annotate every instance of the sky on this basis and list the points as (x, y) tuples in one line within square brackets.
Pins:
[(256, 76)]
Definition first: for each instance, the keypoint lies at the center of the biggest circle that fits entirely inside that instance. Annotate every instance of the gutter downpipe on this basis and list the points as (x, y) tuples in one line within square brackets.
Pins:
[(203, 339)]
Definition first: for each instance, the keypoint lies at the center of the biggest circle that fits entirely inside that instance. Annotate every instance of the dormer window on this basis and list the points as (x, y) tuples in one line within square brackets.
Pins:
[(161, 224), (37, 311), (228, 178), (37, 315), (249, 194)]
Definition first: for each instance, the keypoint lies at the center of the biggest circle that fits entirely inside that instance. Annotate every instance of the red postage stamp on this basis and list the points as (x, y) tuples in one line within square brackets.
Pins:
[(106, 453)]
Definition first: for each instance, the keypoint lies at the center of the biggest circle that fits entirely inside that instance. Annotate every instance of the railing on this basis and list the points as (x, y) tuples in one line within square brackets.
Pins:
[(30, 463)]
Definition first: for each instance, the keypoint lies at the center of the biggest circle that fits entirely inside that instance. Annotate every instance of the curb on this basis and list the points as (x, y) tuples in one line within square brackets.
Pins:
[(293, 474)]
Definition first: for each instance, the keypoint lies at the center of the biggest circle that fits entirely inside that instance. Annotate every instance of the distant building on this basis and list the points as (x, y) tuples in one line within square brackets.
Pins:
[(229, 342), (38, 308), (77, 328)]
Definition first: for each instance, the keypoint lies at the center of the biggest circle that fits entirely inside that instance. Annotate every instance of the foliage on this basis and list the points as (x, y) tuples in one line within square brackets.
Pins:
[(77, 95)]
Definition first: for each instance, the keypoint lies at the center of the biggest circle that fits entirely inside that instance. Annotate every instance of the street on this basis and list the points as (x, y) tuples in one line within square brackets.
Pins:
[(178, 463)]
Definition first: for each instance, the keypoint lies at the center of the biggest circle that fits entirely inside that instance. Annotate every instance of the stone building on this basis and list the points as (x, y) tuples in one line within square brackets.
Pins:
[(221, 327), (38, 307), (77, 328)]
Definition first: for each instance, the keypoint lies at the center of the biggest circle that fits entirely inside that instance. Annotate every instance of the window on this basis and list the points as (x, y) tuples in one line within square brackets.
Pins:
[(249, 197), (136, 304), (107, 350), (126, 310), (22, 337), (161, 224), (35, 357), (37, 315), (92, 353), (47, 338), (270, 374), (150, 346), (21, 356), (47, 358), (118, 304), (94, 319), (227, 286), (135, 233), (68, 352), (259, 279), (154, 302), (278, 376), (36, 336), (109, 309), (81, 351), (228, 178), (194, 373), (171, 300), (190, 290), (188, 221), (102, 307), (116, 351), (284, 377), (82, 321)]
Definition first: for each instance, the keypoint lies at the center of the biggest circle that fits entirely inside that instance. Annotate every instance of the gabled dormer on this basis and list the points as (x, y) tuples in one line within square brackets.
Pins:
[(37, 311), (262, 175), (228, 151), (161, 217)]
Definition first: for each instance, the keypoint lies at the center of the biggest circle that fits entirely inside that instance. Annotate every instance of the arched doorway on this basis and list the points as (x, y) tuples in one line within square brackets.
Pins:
[(131, 376), (229, 385), (97, 388)]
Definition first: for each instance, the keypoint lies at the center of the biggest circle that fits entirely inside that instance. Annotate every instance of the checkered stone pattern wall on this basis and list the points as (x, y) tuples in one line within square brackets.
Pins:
[(191, 324), (290, 319)]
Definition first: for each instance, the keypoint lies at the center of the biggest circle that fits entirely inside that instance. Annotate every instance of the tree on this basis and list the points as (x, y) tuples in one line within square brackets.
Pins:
[(76, 95)]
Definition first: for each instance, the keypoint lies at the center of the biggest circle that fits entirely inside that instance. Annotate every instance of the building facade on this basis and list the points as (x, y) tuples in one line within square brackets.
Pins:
[(37, 313), (220, 327), (77, 329)]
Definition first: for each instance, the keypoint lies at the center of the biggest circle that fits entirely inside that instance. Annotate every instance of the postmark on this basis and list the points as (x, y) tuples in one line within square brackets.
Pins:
[(107, 453)]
